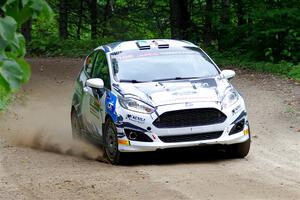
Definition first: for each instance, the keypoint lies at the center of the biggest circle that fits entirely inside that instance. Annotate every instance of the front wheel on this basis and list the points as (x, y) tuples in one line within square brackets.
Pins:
[(239, 150), (112, 152)]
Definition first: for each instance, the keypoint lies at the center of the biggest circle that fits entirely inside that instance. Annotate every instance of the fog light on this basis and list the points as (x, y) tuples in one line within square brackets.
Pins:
[(132, 135), (246, 131), (238, 127)]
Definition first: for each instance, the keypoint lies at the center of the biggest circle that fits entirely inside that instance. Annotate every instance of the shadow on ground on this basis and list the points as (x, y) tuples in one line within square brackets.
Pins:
[(177, 156)]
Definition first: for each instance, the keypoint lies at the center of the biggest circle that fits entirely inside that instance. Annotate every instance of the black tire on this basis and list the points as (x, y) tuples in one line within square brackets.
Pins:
[(110, 140), (239, 150), (75, 124)]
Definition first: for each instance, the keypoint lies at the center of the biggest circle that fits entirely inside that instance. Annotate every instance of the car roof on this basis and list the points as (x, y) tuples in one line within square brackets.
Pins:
[(145, 44)]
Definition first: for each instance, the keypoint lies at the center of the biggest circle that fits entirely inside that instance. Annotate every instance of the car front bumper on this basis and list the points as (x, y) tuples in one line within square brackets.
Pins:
[(225, 139), (126, 145)]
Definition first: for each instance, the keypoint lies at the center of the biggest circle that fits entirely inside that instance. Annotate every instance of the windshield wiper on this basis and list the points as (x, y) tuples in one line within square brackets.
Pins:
[(131, 81), (174, 78)]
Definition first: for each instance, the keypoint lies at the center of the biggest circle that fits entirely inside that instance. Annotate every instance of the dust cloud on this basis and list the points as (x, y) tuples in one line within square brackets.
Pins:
[(57, 143)]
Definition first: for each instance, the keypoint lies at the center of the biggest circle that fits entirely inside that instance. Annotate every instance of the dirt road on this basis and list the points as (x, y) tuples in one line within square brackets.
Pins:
[(55, 167)]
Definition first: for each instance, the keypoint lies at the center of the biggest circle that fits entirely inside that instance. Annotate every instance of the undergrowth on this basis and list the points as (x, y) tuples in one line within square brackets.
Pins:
[(5, 99)]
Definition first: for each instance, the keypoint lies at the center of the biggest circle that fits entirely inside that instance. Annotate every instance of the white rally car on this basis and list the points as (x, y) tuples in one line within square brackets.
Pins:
[(147, 95)]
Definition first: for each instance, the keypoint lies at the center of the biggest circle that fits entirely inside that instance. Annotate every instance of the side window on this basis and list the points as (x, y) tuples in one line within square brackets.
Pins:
[(100, 69), (89, 63)]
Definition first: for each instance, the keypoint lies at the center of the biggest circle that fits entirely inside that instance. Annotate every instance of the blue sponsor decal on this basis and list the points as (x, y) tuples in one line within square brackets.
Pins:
[(110, 106), (135, 118)]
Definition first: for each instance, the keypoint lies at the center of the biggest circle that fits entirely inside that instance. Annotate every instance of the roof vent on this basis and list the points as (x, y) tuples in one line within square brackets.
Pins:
[(142, 45), (161, 44)]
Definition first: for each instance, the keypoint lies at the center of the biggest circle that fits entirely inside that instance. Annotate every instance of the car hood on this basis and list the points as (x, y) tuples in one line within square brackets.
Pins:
[(175, 92)]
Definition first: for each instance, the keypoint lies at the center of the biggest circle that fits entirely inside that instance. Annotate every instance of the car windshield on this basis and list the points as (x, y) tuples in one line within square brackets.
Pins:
[(161, 64)]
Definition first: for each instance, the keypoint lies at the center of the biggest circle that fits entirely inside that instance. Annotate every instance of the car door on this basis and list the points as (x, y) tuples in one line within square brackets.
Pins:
[(97, 97), (87, 94)]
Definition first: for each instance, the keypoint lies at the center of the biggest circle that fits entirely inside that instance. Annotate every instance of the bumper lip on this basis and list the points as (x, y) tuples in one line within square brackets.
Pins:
[(225, 139)]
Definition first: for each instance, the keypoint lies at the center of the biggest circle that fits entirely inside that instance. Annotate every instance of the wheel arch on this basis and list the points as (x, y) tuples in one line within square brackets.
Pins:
[(107, 117)]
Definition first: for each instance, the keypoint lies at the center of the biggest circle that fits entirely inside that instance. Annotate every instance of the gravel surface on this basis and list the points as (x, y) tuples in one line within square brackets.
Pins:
[(39, 160)]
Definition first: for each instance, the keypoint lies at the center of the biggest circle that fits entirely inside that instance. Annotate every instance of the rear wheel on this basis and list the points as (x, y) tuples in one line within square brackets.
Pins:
[(76, 129), (239, 150), (112, 152)]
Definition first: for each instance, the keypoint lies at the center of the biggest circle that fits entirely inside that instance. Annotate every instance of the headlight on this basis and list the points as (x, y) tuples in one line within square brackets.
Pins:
[(135, 105), (230, 98)]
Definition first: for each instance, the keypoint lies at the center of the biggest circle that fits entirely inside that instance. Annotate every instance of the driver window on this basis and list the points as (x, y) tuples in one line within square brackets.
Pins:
[(89, 63), (101, 70)]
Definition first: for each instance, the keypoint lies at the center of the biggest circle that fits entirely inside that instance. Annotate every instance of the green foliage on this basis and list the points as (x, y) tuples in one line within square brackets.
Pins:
[(5, 99), (14, 70), (268, 30), (295, 72), (54, 46), (244, 61)]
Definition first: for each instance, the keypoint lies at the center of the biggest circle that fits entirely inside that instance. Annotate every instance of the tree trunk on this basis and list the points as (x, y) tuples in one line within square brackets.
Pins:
[(26, 30), (208, 23), (93, 21), (79, 24), (241, 12), (63, 19), (105, 17), (158, 24), (224, 29), (1, 13), (225, 11), (180, 19)]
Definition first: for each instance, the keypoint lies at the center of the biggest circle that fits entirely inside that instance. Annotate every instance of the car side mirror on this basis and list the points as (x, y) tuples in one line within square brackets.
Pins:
[(228, 74), (95, 83)]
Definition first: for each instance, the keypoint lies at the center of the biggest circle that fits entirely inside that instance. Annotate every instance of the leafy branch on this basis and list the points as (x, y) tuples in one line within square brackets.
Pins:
[(14, 70)]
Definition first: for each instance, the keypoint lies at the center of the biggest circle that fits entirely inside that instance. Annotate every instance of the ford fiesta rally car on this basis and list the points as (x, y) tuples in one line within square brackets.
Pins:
[(147, 95)]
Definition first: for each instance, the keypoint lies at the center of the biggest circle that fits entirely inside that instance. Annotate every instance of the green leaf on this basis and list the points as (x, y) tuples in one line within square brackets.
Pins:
[(12, 74), (11, 8), (19, 45), (25, 68), (4, 84), (3, 45), (2, 2), (8, 27), (42, 8), (22, 10), (24, 14), (19, 11), (24, 2)]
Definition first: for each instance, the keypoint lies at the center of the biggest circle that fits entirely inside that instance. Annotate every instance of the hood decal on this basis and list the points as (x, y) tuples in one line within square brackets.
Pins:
[(173, 92)]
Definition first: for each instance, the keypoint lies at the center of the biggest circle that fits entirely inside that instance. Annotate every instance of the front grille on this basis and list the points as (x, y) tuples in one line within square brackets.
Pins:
[(189, 117), (191, 137)]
